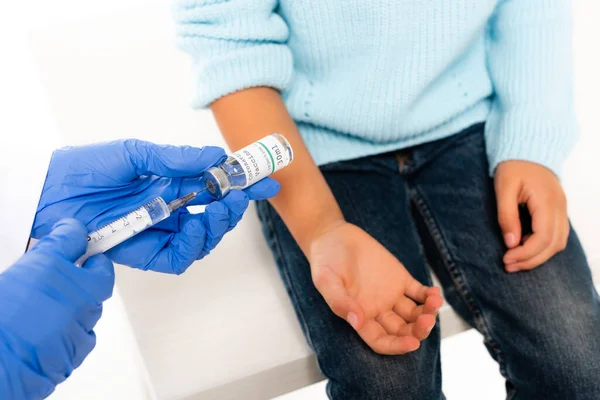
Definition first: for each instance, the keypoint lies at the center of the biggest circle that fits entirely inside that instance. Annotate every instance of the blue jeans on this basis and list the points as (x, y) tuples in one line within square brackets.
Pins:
[(435, 205)]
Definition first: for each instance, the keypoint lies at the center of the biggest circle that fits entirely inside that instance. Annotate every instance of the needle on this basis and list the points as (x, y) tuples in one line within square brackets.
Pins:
[(182, 201)]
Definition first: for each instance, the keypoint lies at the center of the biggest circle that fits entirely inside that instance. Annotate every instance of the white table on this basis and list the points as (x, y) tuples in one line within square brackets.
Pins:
[(226, 327)]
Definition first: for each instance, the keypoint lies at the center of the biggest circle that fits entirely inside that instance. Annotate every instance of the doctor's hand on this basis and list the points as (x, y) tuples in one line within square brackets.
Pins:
[(99, 183), (48, 310)]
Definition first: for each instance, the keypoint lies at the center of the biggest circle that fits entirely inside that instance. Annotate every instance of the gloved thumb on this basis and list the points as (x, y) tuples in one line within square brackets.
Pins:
[(102, 279), (263, 190), (67, 239), (172, 161), (337, 297)]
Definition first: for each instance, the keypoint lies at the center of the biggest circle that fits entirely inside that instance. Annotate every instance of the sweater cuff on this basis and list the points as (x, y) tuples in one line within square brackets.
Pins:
[(263, 65), (523, 136)]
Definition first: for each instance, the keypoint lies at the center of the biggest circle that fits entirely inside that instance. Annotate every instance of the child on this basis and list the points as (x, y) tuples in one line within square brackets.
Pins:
[(419, 128)]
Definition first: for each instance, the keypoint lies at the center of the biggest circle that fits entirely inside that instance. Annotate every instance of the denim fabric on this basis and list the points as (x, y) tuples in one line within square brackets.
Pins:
[(435, 205)]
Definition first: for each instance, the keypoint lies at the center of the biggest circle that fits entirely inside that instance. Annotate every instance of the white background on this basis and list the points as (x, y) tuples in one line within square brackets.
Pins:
[(115, 370)]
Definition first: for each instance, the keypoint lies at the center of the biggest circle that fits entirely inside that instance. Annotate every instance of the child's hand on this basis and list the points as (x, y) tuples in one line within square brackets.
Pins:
[(365, 284), (522, 182)]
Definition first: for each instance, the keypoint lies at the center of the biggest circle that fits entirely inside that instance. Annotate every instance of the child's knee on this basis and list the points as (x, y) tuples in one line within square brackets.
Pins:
[(356, 372)]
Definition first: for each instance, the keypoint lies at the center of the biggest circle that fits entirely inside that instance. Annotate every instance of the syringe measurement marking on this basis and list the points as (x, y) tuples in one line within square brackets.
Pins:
[(123, 228), (98, 235)]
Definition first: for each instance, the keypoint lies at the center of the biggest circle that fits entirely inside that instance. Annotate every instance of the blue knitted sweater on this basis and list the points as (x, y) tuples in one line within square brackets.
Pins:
[(363, 77)]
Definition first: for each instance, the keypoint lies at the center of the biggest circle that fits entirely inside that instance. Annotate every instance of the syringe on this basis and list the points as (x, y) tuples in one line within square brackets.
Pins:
[(129, 225), (241, 170)]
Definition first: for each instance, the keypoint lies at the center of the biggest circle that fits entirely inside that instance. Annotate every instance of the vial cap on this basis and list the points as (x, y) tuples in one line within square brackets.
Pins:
[(217, 182)]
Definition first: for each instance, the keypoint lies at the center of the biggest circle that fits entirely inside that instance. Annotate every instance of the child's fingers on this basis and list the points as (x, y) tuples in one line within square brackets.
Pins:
[(416, 290), (420, 329), (532, 262), (544, 227), (391, 322), (376, 337), (410, 311), (507, 197), (545, 254), (433, 304)]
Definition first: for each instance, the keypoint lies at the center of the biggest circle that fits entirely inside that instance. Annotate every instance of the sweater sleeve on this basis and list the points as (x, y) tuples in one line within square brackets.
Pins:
[(234, 44), (530, 64)]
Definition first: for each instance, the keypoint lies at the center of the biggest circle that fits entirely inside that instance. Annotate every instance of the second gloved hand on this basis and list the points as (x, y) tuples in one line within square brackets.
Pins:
[(49, 309), (99, 183)]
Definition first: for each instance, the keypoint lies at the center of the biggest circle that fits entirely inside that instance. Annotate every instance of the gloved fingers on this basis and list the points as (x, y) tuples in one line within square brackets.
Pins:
[(45, 316), (86, 341), (222, 216), (216, 221), (57, 284), (184, 247), (171, 224), (101, 279), (263, 190), (89, 317), (237, 202), (56, 276), (139, 251), (78, 288), (59, 353), (171, 161), (67, 240), (203, 254)]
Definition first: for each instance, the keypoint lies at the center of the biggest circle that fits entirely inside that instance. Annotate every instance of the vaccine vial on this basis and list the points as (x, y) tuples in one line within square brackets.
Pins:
[(249, 165)]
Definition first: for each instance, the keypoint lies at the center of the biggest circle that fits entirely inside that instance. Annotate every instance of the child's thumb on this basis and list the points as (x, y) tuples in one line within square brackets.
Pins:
[(337, 297), (508, 214)]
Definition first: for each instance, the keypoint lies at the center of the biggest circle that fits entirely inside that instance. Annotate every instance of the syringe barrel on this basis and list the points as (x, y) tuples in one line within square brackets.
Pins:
[(118, 231), (250, 165)]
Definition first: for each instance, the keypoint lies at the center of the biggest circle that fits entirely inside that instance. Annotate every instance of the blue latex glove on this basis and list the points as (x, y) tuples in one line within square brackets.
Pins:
[(48, 309), (99, 183)]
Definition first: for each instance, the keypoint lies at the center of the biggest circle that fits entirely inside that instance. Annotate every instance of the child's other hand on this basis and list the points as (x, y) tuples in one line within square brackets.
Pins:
[(522, 182), (367, 286)]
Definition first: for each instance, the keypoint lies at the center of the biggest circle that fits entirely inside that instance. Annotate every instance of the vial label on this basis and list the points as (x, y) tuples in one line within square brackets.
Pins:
[(262, 158)]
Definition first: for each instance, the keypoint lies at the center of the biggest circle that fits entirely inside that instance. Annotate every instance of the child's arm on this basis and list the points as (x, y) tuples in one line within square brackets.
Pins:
[(532, 125), (341, 255), (305, 201), (242, 61)]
